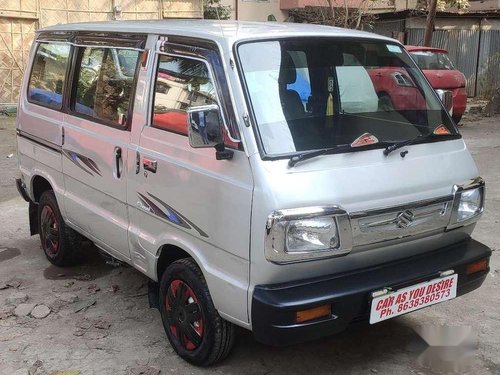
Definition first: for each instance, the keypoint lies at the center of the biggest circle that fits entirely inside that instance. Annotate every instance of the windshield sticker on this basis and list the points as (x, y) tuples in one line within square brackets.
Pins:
[(393, 48), (440, 130), (364, 139)]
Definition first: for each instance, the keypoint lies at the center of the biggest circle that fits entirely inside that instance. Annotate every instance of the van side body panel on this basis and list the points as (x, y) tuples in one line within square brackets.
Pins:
[(192, 201), (39, 140), (95, 196)]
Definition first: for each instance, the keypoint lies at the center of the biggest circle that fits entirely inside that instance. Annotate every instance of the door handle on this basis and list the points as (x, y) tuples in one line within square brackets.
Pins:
[(118, 156), (149, 165)]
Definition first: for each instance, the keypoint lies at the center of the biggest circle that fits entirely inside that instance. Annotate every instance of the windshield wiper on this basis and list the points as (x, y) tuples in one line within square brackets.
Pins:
[(397, 145), (325, 151), (312, 154)]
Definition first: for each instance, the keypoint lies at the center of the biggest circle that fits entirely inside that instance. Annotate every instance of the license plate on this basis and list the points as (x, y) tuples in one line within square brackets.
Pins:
[(413, 298)]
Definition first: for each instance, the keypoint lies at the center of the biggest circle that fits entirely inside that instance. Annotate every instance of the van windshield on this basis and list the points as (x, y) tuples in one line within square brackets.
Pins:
[(310, 94)]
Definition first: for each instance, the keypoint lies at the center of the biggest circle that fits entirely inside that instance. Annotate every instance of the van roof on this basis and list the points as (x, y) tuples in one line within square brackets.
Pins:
[(228, 31)]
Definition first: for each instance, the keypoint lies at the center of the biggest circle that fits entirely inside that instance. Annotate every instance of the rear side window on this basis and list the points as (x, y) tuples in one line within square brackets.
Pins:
[(104, 83), (180, 84), (48, 74)]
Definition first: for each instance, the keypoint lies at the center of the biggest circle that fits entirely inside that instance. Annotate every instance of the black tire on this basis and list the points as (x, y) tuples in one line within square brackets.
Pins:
[(60, 243), (214, 340), (457, 118)]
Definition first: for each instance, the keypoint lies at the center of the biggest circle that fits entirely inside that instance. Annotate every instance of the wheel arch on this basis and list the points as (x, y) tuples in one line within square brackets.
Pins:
[(382, 93), (219, 282), (169, 253), (39, 184)]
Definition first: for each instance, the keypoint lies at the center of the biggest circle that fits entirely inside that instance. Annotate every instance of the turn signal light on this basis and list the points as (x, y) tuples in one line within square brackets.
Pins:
[(314, 313), (480, 265)]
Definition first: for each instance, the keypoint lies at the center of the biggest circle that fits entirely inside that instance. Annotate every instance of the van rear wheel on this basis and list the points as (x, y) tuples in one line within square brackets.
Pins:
[(194, 328), (60, 243)]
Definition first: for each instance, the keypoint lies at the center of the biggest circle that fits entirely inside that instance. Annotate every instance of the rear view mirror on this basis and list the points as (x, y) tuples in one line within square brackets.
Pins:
[(204, 126), (446, 98)]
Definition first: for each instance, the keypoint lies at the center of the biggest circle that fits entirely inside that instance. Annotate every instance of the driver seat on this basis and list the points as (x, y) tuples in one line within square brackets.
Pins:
[(290, 100)]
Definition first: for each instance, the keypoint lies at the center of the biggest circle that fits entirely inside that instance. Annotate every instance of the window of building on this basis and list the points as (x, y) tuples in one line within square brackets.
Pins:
[(181, 83), (48, 75), (104, 84)]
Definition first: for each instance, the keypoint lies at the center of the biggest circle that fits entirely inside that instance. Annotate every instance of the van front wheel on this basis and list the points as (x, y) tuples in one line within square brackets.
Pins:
[(60, 243), (194, 328)]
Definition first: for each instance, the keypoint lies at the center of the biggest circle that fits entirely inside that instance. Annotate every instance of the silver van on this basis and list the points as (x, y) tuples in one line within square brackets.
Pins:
[(288, 179)]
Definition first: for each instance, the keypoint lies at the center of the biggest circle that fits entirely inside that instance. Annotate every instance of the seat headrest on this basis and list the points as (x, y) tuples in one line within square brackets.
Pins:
[(335, 56), (288, 72)]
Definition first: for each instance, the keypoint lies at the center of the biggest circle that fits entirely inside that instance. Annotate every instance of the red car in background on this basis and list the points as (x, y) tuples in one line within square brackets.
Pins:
[(395, 89), (441, 73)]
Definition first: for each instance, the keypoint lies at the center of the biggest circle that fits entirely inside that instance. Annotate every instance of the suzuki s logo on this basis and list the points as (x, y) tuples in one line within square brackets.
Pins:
[(404, 219)]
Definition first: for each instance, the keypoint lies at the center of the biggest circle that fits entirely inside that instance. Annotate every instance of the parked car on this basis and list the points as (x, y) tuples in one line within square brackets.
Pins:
[(396, 89), (442, 75), (244, 201)]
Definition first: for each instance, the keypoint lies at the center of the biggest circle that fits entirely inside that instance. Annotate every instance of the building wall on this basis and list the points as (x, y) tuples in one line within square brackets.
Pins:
[(255, 10), (69, 11), (375, 6), (445, 23)]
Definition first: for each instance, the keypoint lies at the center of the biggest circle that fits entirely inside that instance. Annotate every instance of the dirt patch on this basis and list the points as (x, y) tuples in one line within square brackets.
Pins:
[(93, 267), (8, 253)]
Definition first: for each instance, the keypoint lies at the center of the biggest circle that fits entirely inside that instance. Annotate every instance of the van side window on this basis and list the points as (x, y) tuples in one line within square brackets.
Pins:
[(48, 74), (105, 78), (181, 83)]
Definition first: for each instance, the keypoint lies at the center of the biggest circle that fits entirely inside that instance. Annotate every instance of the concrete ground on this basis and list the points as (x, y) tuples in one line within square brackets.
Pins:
[(99, 321)]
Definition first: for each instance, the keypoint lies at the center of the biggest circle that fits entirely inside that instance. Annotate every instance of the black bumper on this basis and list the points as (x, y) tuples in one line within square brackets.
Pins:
[(274, 306)]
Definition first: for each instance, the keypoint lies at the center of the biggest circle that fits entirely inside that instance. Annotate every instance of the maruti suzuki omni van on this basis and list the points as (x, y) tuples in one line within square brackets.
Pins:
[(254, 171)]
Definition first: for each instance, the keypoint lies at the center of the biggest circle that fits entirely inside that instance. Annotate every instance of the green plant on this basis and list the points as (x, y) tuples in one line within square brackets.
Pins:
[(335, 13), (213, 9)]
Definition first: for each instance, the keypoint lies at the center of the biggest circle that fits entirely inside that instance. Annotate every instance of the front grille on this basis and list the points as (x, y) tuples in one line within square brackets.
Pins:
[(402, 221)]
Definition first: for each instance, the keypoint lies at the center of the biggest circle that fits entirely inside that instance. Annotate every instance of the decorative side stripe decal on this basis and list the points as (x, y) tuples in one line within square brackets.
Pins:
[(180, 216), (78, 159), (168, 213)]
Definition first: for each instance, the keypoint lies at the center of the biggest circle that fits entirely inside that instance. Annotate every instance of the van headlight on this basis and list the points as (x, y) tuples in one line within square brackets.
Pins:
[(468, 203), (301, 234)]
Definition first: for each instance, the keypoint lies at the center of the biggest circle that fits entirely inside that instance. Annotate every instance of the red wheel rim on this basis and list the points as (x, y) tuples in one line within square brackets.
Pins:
[(184, 315), (49, 231)]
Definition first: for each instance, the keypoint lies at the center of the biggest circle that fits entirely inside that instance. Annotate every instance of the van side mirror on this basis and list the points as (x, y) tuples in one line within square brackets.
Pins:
[(204, 126)]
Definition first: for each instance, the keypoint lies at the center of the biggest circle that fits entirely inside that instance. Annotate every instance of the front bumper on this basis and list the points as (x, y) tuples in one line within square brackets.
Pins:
[(274, 307), (459, 101)]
